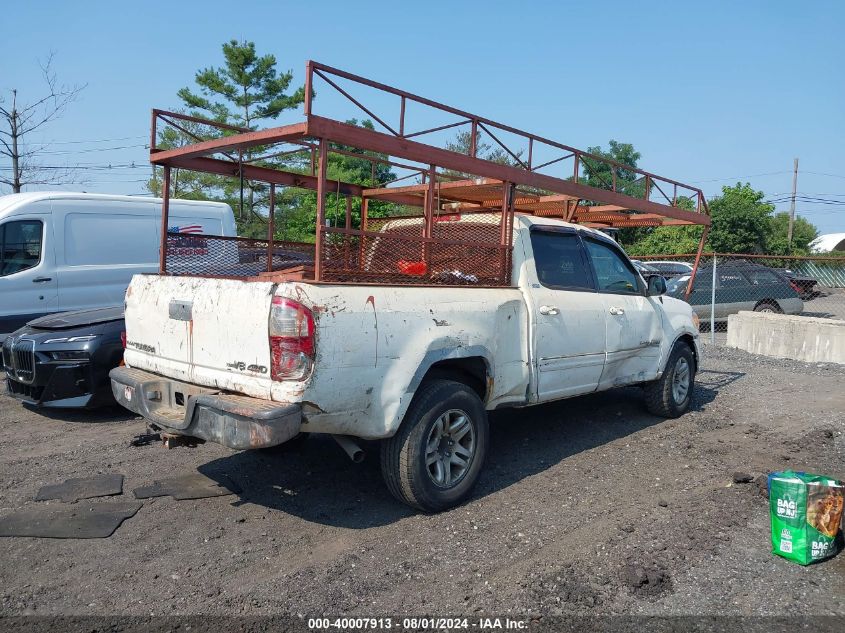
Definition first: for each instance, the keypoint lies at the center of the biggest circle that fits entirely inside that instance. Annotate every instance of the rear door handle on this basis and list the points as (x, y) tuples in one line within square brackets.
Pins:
[(41, 280), (549, 310), (615, 310)]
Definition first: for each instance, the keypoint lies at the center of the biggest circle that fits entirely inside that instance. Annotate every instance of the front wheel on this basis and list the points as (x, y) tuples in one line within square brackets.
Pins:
[(435, 458), (671, 394)]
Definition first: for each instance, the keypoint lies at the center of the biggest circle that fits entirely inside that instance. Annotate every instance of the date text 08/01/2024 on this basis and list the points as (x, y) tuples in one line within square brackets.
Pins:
[(415, 623)]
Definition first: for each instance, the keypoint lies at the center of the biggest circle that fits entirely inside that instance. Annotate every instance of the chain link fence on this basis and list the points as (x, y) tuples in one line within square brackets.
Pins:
[(728, 283)]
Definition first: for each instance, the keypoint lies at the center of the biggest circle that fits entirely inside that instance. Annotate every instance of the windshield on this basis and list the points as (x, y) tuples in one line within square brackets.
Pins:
[(20, 246)]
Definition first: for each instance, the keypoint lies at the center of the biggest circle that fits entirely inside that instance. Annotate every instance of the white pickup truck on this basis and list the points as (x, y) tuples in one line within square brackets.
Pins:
[(252, 364)]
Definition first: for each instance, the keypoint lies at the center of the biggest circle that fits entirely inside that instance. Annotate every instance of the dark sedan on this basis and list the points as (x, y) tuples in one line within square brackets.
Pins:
[(63, 360), (740, 285)]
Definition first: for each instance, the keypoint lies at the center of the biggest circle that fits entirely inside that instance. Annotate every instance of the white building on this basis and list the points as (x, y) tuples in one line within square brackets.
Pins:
[(827, 243)]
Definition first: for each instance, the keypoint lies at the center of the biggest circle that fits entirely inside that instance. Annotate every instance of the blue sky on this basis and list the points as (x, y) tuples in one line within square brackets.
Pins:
[(708, 92)]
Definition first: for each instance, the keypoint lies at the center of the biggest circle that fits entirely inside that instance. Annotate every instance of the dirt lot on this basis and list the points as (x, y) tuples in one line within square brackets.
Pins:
[(586, 506)]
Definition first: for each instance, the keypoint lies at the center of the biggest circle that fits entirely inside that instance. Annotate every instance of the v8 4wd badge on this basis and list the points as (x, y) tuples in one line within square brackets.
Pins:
[(242, 366)]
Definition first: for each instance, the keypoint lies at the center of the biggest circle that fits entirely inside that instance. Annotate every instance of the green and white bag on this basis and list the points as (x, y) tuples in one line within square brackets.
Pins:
[(806, 513)]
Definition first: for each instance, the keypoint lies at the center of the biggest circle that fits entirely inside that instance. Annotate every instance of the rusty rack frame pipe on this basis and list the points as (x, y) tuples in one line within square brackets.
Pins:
[(560, 196), (324, 72)]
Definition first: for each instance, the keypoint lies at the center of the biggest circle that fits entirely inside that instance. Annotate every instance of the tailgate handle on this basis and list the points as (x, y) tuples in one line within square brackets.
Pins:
[(181, 310)]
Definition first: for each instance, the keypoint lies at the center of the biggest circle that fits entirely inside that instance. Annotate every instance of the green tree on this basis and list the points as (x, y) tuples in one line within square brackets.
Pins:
[(299, 207), (667, 239), (741, 223), (740, 220), (462, 143), (803, 233), (245, 91), (599, 174), (185, 183)]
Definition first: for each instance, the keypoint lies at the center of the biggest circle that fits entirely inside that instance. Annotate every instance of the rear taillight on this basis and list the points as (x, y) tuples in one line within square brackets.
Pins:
[(795, 286), (291, 340), (123, 339)]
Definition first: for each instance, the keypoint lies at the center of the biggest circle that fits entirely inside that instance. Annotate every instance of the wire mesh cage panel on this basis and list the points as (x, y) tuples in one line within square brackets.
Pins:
[(211, 255), (394, 251)]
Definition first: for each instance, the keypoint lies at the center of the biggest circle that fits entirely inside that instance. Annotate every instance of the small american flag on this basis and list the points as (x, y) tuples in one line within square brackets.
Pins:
[(191, 228)]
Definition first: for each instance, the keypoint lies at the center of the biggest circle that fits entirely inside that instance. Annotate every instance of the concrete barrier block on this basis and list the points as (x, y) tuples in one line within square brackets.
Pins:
[(810, 339)]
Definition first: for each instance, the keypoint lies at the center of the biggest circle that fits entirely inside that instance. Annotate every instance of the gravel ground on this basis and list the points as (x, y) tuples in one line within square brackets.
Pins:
[(586, 506)]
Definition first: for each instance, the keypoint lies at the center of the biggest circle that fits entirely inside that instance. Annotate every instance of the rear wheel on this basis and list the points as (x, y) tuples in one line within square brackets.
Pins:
[(771, 307), (436, 456), (671, 394)]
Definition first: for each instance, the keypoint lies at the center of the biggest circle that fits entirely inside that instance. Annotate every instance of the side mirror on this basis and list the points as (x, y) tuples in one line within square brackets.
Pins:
[(656, 285)]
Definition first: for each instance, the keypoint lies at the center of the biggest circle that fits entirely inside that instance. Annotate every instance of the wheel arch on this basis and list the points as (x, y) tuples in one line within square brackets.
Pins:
[(474, 371), (471, 365), (689, 341)]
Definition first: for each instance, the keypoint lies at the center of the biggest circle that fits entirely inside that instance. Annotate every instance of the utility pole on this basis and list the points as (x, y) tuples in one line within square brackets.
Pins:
[(792, 205)]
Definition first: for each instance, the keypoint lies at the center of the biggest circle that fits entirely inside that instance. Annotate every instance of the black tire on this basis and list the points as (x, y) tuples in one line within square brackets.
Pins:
[(403, 456), (661, 397), (769, 305)]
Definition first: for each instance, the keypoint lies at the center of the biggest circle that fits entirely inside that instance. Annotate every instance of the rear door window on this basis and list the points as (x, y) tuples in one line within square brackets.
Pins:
[(763, 278), (560, 260), (20, 246)]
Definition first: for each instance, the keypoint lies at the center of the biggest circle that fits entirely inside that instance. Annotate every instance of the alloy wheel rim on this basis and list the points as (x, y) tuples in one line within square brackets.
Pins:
[(680, 380), (450, 448)]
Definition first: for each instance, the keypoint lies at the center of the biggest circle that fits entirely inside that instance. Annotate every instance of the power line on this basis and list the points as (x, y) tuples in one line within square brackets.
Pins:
[(819, 173), (97, 149), (806, 200), (99, 140), (769, 173), (84, 167), (103, 182), (805, 193)]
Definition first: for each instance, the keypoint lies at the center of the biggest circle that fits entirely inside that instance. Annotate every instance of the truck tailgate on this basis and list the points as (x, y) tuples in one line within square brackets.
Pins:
[(210, 332)]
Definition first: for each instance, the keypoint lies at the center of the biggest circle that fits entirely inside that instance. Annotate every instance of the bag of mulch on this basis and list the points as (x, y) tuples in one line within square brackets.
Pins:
[(806, 513)]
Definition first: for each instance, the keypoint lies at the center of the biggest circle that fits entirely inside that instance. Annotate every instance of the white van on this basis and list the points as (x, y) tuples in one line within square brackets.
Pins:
[(70, 251)]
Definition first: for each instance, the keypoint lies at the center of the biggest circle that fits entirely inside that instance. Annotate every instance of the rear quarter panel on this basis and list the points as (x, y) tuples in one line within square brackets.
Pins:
[(375, 343)]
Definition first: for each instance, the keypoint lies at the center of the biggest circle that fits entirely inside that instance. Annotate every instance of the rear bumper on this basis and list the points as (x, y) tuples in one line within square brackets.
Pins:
[(238, 422)]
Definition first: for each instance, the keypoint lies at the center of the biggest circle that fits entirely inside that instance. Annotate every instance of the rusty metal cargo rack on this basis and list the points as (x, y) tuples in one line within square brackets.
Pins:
[(457, 215)]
